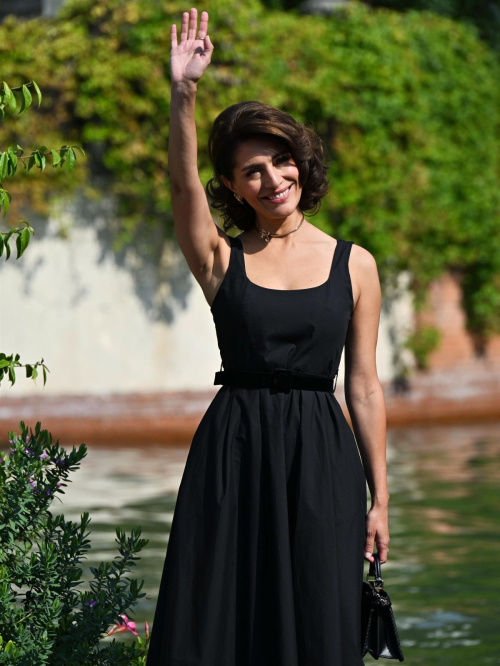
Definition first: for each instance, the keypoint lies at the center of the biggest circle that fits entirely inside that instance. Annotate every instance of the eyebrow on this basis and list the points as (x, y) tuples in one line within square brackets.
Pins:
[(257, 164)]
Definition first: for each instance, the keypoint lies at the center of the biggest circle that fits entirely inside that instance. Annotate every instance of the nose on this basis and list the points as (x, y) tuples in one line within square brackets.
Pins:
[(273, 177)]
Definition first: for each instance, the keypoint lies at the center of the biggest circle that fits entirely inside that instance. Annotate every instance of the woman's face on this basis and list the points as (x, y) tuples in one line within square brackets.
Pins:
[(264, 168)]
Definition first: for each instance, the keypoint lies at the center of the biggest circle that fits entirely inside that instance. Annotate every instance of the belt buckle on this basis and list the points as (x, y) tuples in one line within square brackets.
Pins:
[(282, 379)]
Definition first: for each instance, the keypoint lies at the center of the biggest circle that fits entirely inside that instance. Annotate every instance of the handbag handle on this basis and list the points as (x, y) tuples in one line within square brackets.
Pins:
[(376, 571)]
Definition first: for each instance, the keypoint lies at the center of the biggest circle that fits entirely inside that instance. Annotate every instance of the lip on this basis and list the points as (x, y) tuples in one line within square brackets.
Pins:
[(278, 201)]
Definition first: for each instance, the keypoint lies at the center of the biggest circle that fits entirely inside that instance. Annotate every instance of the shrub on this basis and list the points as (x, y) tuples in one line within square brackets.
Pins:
[(45, 615)]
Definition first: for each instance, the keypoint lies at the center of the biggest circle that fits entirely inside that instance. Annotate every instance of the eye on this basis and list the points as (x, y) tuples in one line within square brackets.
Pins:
[(281, 160)]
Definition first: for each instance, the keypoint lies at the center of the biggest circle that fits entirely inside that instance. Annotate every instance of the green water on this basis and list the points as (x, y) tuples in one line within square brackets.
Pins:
[(443, 568)]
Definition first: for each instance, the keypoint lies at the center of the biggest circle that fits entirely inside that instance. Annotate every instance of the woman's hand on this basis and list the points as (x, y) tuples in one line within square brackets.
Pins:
[(190, 58), (377, 529)]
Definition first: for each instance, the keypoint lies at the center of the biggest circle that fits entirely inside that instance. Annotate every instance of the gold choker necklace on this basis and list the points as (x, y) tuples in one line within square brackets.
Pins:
[(267, 235)]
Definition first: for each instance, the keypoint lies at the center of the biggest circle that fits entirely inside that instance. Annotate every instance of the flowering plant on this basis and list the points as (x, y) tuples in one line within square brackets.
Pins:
[(143, 644), (45, 616)]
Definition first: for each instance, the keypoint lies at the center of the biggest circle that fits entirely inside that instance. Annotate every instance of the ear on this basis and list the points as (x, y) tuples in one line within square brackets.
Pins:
[(227, 183)]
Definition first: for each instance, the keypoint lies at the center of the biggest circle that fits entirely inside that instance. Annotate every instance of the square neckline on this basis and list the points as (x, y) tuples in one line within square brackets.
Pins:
[(301, 289)]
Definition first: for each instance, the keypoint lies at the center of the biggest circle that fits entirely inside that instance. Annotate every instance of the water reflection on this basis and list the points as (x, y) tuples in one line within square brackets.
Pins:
[(442, 573)]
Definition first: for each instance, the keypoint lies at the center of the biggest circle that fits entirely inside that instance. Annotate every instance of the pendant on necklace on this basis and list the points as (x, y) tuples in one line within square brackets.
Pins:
[(265, 234)]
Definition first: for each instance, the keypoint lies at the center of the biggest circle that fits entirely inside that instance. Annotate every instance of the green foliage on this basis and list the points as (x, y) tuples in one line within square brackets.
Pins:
[(407, 103), (45, 616), (484, 14), (8, 365), (9, 160), (422, 342)]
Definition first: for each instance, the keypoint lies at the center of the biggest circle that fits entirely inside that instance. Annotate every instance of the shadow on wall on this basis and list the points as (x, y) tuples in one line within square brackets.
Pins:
[(161, 277)]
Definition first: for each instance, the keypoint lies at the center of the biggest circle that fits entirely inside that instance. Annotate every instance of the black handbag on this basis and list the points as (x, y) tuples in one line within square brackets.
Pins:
[(379, 635)]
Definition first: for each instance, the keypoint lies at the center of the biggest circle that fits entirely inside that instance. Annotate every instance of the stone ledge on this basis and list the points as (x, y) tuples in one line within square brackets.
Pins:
[(466, 393)]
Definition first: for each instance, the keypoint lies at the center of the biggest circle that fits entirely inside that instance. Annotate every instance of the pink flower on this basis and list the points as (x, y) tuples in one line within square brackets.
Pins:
[(125, 625), (146, 629)]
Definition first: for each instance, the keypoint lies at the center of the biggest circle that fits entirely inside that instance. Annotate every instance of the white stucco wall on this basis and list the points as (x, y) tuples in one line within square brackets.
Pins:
[(116, 323)]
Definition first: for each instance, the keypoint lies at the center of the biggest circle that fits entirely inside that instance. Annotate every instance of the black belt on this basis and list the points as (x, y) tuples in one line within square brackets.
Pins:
[(280, 379)]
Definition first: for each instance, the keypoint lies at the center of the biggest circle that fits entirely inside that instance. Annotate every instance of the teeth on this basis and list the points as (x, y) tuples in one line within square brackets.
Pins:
[(280, 196)]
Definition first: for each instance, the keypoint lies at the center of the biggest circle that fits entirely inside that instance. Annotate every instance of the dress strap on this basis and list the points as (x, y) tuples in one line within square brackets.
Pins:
[(237, 250), (341, 256)]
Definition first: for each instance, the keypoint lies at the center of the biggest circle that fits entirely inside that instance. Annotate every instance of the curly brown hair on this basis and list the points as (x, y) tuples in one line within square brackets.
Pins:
[(243, 121)]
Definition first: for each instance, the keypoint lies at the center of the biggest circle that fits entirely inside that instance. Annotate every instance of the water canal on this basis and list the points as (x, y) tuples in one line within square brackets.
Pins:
[(444, 560)]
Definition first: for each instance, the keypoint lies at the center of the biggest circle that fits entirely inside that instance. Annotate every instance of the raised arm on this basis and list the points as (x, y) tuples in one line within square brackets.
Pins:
[(196, 233)]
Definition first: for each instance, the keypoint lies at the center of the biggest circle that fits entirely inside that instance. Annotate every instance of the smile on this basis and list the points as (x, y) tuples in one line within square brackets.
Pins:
[(279, 197)]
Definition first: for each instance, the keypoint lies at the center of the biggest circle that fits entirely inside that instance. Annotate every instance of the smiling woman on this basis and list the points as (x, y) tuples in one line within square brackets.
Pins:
[(247, 128), (264, 564)]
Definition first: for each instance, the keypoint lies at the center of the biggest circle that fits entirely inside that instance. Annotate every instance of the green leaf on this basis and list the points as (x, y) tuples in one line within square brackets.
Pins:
[(22, 241), (11, 232), (12, 374), (4, 163), (10, 98), (56, 156), (39, 159), (63, 151), (71, 159), (27, 99), (5, 200), (80, 149), (38, 92), (13, 158)]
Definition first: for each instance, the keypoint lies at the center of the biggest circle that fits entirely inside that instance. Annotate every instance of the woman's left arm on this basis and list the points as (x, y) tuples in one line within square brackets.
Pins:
[(364, 395)]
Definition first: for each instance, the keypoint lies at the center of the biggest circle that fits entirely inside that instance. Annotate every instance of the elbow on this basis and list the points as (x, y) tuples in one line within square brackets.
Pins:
[(363, 391)]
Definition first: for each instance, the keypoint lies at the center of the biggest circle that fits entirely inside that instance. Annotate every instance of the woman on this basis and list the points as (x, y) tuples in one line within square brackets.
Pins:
[(265, 559)]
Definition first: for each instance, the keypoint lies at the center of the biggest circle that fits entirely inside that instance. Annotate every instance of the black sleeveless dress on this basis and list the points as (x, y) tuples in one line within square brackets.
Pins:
[(264, 564)]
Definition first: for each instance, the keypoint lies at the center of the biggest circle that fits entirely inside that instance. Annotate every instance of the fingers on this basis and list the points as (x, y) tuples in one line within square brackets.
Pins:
[(370, 538), (188, 27), (193, 20), (184, 26), (382, 550), (208, 46), (382, 554), (202, 30)]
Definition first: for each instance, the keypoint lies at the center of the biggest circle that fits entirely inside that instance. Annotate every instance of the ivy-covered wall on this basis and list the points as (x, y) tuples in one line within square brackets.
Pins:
[(408, 106)]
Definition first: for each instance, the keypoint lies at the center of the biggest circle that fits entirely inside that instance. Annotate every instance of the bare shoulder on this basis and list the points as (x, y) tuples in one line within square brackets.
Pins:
[(364, 272), (362, 259)]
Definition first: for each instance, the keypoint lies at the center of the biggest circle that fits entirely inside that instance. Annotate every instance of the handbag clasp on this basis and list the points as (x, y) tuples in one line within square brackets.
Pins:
[(377, 583)]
